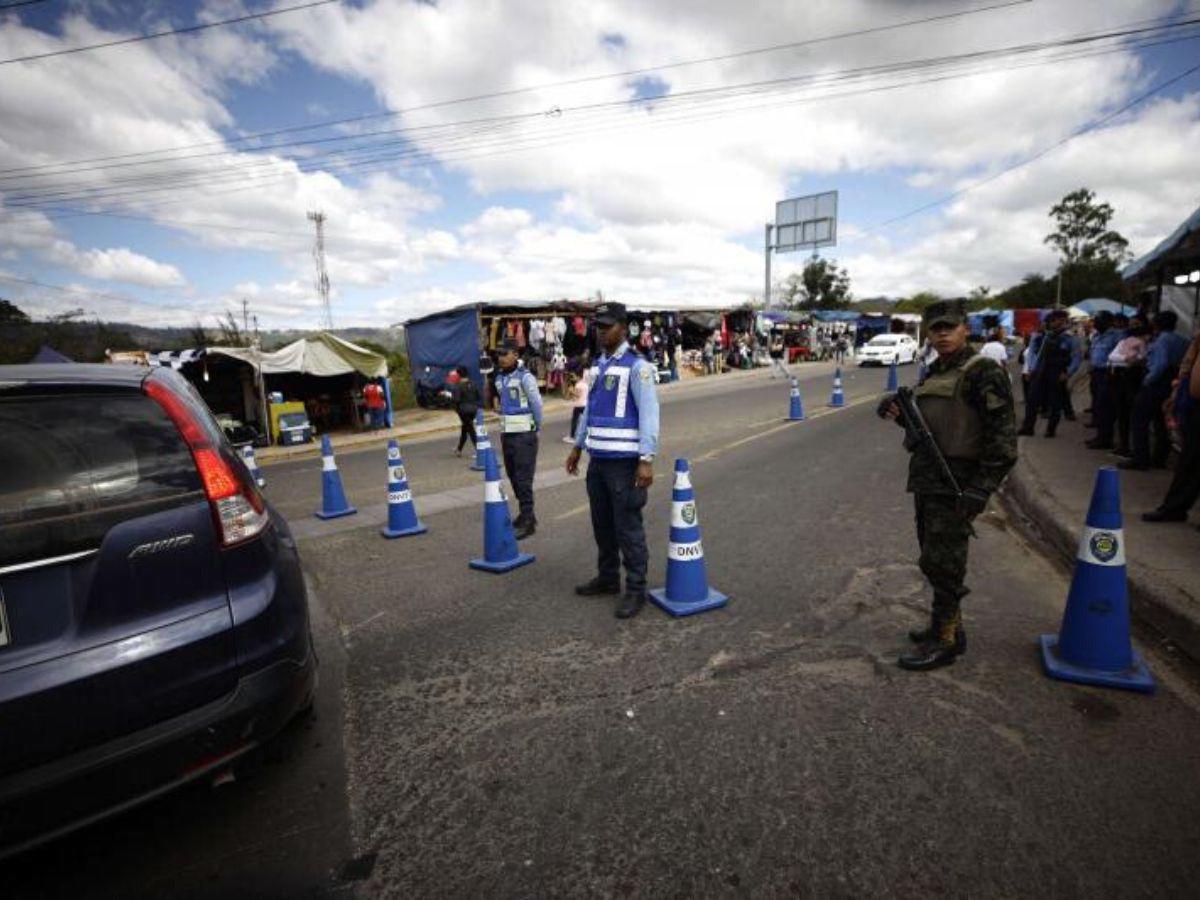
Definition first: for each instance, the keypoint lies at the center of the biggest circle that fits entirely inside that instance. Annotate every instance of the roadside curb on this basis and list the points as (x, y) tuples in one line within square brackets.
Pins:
[(1163, 609)]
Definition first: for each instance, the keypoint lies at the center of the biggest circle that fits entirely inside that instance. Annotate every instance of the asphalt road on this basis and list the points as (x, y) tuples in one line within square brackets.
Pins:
[(497, 736)]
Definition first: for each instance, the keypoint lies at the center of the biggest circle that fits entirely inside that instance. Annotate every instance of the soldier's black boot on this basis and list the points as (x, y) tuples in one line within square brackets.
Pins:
[(940, 649), (524, 527), (920, 635), (631, 605), (596, 587)]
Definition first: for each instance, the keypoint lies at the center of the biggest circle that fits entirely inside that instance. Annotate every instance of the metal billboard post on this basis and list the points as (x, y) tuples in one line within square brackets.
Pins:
[(767, 260)]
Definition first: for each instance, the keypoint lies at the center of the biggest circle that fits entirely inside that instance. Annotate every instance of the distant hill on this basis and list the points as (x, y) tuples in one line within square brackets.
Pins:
[(147, 338)]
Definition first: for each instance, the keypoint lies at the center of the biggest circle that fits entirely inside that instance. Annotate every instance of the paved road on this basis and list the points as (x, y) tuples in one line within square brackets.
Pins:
[(503, 737)]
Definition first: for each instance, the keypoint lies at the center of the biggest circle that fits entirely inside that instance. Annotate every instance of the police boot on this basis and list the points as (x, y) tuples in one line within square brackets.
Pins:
[(524, 526), (596, 587), (940, 649), (920, 635), (631, 605)]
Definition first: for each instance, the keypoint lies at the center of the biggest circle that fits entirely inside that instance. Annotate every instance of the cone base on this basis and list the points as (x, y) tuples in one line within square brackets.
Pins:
[(521, 559), (714, 600), (837, 404), (403, 532), (336, 514), (794, 419), (476, 468), (1136, 678)]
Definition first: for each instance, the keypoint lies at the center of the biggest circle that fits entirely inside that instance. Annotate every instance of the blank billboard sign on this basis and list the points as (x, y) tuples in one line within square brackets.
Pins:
[(806, 222)]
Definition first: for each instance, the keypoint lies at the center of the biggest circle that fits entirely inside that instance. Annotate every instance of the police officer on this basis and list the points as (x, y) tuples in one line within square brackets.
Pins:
[(619, 427), (520, 420), (1058, 357), (966, 400)]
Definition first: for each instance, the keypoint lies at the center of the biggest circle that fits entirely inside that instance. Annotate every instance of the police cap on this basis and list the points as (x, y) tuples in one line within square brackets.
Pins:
[(609, 313), (949, 312), (508, 345)]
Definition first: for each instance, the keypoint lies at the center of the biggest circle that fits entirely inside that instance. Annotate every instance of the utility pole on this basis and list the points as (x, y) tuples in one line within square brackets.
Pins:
[(318, 218), (245, 316), (767, 267)]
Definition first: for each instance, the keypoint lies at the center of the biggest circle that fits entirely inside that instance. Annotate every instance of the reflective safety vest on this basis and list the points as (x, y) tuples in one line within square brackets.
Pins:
[(516, 414), (612, 413)]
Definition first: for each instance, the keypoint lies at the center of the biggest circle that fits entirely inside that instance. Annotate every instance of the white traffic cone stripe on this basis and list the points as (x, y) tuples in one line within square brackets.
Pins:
[(493, 492), (399, 496), (683, 514), (689, 552), (1102, 546), (682, 480), (328, 464), (393, 452)]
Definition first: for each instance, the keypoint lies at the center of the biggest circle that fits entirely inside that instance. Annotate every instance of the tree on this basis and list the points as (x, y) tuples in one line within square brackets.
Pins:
[(1082, 234), (917, 302), (1034, 291), (11, 314), (821, 285)]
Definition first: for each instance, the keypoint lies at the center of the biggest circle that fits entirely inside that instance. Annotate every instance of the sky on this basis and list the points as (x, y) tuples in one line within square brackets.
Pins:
[(467, 150)]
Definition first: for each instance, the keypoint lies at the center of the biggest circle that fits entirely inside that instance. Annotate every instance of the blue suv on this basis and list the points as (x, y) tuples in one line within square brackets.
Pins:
[(153, 615)]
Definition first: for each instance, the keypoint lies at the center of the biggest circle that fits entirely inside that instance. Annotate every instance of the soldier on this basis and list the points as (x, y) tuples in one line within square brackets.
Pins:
[(520, 421), (966, 400), (619, 427)]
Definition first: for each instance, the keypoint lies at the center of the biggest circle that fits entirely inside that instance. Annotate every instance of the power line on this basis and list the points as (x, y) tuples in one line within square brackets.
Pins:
[(525, 90), (14, 279), (188, 29), (17, 3)]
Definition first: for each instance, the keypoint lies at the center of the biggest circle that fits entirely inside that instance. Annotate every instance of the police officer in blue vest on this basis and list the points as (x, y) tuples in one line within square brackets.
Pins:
[(520, 421), (619, 427)]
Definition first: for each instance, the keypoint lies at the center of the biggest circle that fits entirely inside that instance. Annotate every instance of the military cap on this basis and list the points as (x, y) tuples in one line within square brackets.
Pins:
[(950, 312), (609, 313)]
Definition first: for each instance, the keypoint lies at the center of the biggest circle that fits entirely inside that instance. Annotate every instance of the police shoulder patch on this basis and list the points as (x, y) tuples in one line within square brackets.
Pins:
[(645, 374)]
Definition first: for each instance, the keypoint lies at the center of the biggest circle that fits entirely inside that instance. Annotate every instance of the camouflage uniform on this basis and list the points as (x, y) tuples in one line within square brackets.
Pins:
[(942, 530)]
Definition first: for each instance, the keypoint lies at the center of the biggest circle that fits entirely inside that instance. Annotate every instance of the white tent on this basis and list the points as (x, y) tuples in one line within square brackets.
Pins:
[(320, 354)]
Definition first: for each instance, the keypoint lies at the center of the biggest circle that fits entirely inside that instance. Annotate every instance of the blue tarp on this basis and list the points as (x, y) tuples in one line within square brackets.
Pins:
[(1004, 318), (49, 355), (1164, 248), (1102, 304), (443, 341), (835, 315)]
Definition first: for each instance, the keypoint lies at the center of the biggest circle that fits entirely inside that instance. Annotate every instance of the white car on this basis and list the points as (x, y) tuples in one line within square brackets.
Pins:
[(885, 349)]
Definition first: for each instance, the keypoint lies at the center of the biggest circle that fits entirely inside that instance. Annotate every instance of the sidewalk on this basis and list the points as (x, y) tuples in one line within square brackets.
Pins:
[(415, 423), (1052, 486)]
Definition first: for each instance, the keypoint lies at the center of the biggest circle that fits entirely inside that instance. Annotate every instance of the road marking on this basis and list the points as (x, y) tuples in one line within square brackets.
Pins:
[(582, 508), (717, 451)]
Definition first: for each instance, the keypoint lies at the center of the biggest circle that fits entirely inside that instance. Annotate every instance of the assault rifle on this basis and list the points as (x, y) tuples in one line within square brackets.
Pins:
[(917, 434)]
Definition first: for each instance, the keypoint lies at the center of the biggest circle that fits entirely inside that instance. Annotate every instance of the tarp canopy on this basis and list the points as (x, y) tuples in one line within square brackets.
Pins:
[(1102, 304), (443, 341), (321, 354), (49, 355), (707, 321), (835, 315), (1174, 245), (1003, 317)]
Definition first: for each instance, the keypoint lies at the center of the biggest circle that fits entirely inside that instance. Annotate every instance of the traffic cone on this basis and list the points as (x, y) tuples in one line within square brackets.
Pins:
[(893, 384), (402, 514), (500, 553), (252, 465), (796, 410), (1092, 646), (482, 444), (837, 398), (333, 498), (687, 589)]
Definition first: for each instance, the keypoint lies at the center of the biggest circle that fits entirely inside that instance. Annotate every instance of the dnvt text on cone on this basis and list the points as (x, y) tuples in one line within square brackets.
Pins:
[(687, 589), (333, 498), (500, 553), (837, 398), (1093, 644), (796, 403), (402, 513)]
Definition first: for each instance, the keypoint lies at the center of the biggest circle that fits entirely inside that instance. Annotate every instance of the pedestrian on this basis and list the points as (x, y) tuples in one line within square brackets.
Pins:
[(1104, 410), (464, 394), (839, 349), (1058, 357), (376, 405), (775, 351), (966, 399), (619, 428), (706, 355), (1185, 486), (577, 391), (1163, 357), (1126, 364), (994, 348), (520, 421)]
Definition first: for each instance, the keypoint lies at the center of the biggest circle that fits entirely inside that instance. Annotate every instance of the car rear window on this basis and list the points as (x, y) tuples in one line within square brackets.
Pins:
[(882, 341), (74, 465)]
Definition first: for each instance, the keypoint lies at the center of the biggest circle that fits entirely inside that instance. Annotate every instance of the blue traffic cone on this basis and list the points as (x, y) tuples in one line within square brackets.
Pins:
[(482, 444), (893, 384), (687, 589), (402, 514), (333, 498), (500, 553), (252, 464), (1092, 646), (837, 398), (796, 410)]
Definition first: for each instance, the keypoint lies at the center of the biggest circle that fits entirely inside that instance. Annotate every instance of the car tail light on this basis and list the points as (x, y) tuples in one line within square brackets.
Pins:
[(238, 507)]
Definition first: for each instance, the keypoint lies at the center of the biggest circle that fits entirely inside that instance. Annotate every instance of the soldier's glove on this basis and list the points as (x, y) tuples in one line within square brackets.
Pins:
[(884, 402), (972, 502)]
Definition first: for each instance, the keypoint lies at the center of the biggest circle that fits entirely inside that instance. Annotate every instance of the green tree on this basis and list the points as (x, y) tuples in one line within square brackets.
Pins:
[(11, 314), (822, 284), (399, 375), (1034, 291), (917, 302), (1081, 233)]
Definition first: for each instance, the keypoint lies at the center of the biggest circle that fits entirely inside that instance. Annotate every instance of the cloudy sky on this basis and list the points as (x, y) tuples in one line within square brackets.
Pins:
[(473, 150)]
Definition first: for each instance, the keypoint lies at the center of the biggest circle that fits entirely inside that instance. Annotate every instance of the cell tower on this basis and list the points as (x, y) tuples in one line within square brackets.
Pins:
[(318, 217)]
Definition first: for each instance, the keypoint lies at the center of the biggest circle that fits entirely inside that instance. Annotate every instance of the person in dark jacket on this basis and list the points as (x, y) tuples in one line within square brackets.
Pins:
[(465, 397)]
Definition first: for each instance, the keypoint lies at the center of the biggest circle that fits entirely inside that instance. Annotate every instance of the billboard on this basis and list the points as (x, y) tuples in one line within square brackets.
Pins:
[(806, 223)]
